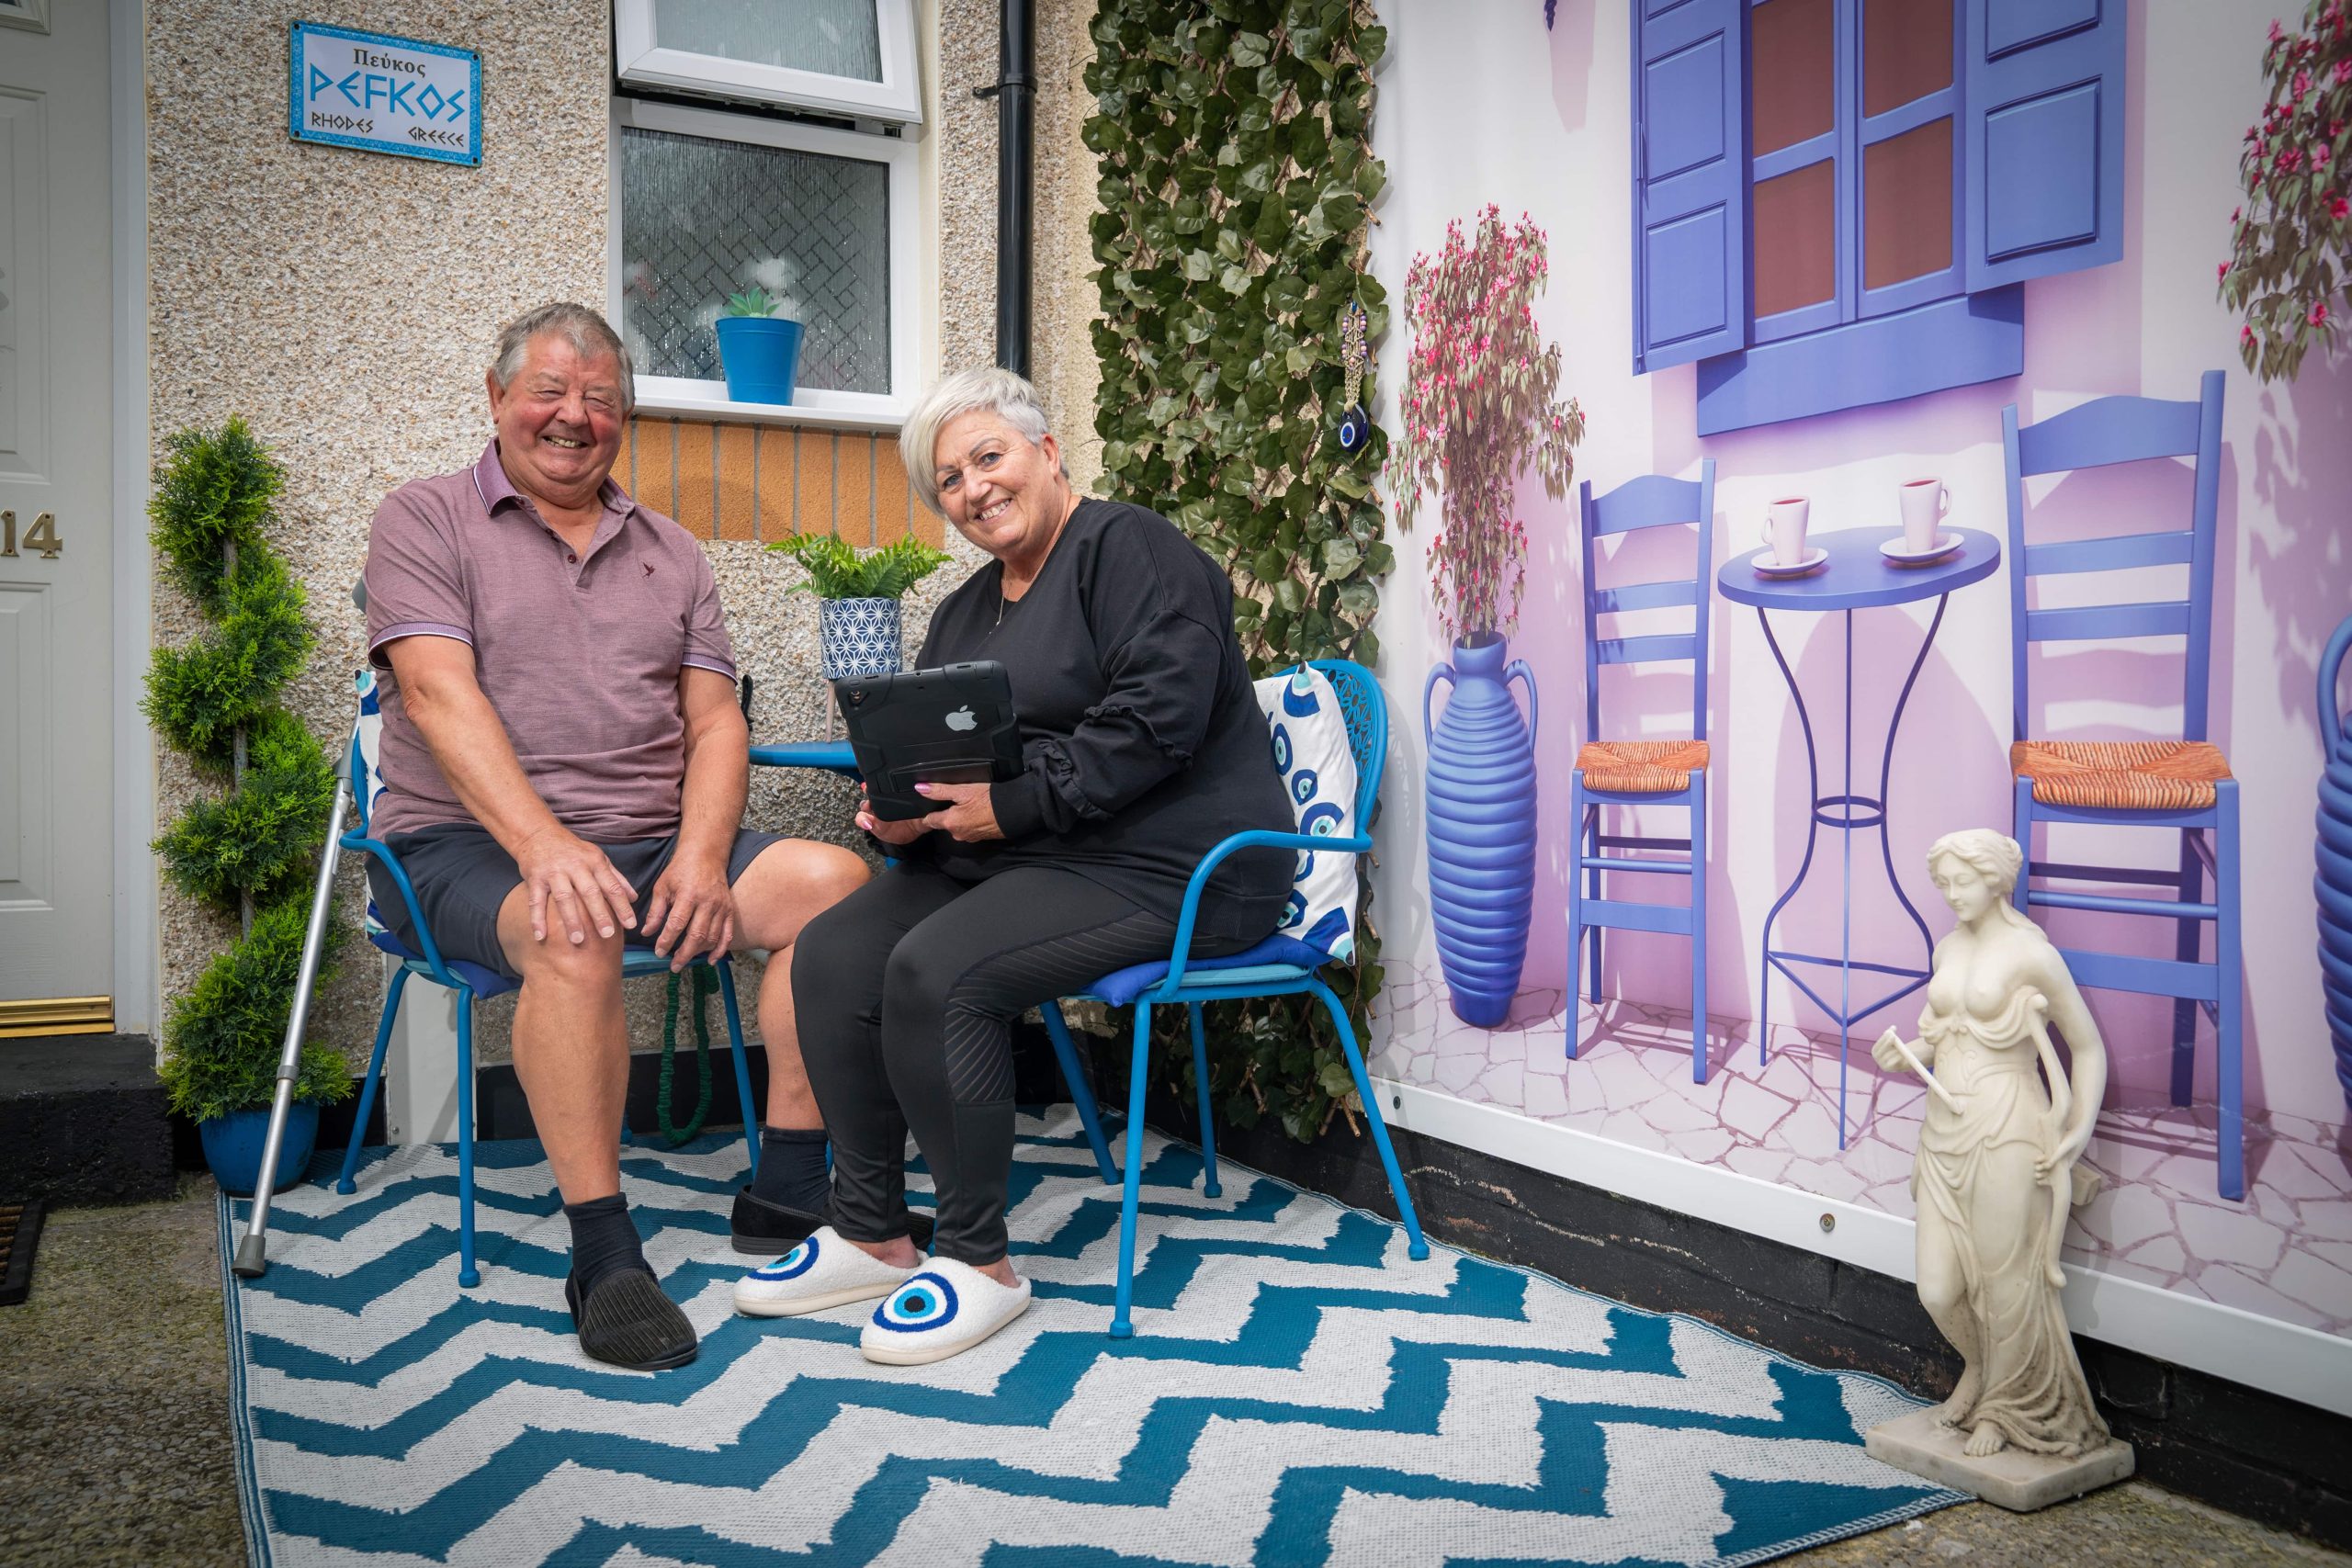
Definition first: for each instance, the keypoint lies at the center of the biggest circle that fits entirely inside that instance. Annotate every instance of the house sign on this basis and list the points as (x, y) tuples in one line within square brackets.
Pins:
[(381, 94)]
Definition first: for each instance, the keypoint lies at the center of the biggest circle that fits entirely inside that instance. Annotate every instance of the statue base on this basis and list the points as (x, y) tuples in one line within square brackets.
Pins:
[(2012, 1479)]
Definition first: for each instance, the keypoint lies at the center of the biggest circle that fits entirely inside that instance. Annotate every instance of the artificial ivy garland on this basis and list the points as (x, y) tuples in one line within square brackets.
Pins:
[(1236, 183), (251, 849)]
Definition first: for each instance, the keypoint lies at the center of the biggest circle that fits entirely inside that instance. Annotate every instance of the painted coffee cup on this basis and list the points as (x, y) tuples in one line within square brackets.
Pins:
[(1785, 524), (1924, 501)]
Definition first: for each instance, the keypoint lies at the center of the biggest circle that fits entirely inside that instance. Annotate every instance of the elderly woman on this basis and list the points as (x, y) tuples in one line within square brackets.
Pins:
[(1143, 748)]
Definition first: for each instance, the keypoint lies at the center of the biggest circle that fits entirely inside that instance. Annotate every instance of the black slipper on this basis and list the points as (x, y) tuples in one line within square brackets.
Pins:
[(770, 1230), (627, 1321)]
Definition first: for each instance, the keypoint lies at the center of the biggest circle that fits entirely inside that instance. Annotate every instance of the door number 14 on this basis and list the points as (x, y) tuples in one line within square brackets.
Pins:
[(41, 535)]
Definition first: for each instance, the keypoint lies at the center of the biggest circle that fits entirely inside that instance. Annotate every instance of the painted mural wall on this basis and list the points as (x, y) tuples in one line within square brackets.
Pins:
[(1483, 104)]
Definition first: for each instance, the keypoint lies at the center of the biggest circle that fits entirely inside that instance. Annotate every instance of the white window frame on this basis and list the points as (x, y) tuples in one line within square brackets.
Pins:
[(810, 405), (896, 98)]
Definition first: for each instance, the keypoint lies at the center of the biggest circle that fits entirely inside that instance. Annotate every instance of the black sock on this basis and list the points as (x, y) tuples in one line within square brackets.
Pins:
[(792, 1169), (603, 1241)]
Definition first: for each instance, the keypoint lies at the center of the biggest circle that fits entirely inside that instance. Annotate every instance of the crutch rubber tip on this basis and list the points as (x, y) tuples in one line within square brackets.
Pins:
[(250, 1262)]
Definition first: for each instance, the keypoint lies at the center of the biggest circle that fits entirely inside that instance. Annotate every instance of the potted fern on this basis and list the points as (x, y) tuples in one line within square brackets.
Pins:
[(857, 617), (759, 346)]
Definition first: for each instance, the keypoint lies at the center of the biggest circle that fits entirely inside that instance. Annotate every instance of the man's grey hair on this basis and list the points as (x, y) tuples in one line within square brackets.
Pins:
[(1002, 392), (585, 330)]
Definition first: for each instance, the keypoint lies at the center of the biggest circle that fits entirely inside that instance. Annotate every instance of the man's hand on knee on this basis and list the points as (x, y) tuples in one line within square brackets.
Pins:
[(692, 910), (570, 879)]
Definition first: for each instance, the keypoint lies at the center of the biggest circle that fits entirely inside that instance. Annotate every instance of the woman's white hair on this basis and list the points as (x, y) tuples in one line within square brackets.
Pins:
[(1002, 392)]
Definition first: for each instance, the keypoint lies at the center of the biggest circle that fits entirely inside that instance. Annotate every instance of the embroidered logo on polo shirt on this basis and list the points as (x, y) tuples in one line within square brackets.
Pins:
[(647, 566)]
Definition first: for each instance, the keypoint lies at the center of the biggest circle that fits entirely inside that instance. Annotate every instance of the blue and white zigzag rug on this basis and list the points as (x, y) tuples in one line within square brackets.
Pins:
[(1298, 1392)]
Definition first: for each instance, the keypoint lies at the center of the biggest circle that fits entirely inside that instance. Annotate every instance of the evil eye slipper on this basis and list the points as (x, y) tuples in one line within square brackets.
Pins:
[(943, 1308), (822, 1271)]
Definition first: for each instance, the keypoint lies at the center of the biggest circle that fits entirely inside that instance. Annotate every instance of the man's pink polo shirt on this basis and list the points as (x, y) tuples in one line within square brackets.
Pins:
[(580, 654)]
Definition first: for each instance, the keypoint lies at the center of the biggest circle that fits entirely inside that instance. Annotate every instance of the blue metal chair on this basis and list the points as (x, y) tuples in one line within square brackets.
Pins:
[(472, 983), (2185, 784), (1265, 970), (1643, 772)]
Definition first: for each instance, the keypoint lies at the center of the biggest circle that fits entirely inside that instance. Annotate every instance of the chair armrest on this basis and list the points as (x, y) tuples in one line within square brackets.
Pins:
[(1257, 837), (359, 840)]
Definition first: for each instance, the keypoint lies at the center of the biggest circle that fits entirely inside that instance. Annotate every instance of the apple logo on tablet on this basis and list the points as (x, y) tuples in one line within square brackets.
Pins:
[(962, 719)]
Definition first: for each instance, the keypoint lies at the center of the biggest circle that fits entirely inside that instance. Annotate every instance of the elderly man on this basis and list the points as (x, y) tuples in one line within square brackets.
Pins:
[(565, 769)]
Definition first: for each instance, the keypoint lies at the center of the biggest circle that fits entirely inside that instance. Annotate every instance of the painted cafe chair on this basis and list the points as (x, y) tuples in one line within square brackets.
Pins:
[(2181, 786), (1643, 772)]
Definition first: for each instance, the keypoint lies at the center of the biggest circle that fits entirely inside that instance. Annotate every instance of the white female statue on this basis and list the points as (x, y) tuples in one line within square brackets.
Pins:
[(1995, 1175)]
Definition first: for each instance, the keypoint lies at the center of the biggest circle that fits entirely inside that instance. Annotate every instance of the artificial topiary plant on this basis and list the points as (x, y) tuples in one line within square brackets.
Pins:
[(1236, 182), (247, 850)]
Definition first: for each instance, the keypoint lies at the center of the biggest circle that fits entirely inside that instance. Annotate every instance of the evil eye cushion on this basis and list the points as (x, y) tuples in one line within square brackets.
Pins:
[(822, 1271), (943, 1308), (369, 733), (1318, 772)]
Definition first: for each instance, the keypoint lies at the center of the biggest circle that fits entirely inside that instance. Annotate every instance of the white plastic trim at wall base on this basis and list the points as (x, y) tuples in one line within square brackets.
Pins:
[(2284, 1359)]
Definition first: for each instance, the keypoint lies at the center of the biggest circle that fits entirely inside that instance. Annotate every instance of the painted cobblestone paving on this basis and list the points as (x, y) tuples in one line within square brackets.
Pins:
[(2156, 1217)]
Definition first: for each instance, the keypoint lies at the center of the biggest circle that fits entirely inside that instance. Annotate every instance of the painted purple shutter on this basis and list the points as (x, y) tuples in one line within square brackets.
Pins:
[(1690, 181), (2042, 108)]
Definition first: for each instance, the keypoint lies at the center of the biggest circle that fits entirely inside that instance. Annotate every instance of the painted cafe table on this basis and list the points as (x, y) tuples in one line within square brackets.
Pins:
[(1855, 576)]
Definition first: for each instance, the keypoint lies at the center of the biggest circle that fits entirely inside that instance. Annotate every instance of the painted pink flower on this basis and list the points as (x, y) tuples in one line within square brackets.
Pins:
[(2223, 271), (2319, 156), (2277, 31), (2245, 335), (2319, 314), (2338, 207), (2302, 85), (2234, 213), (2289, 160)]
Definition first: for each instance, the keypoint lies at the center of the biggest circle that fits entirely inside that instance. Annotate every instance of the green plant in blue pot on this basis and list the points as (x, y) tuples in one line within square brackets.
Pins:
[(759, 347), (857, 617)]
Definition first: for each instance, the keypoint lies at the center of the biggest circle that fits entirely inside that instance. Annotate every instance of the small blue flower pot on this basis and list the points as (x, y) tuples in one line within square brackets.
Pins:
[(233, 1146), (760, 355)]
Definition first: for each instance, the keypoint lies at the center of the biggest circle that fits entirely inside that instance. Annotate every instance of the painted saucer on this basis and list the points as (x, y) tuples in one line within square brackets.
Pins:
[(1945, 544), (1812, 561)]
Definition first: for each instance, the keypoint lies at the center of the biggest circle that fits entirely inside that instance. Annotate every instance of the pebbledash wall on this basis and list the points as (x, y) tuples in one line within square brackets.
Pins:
[(1486, 106), (345, 304)]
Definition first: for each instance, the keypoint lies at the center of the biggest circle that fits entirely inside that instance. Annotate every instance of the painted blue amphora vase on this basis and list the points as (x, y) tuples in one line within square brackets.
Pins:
[(1481, 824), (2332, 885)]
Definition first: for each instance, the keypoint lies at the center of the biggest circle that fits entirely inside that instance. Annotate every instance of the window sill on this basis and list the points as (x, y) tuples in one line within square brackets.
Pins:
[(672, 398), (1951, 343)]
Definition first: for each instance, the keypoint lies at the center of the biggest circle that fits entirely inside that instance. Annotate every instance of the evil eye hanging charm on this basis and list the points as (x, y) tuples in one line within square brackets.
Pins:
[(1356, 428), (1355, 425), (926, 1300)]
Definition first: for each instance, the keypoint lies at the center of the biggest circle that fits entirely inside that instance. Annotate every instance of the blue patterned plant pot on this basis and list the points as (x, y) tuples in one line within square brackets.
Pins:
[(860, 636), (1481, 826)]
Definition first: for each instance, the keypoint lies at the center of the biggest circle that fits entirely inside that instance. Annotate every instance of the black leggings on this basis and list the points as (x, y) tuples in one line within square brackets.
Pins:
[(906, 992)]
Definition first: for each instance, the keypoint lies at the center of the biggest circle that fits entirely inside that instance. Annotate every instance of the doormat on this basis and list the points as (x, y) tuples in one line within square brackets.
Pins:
[(1297, 1392), (19, 1235)]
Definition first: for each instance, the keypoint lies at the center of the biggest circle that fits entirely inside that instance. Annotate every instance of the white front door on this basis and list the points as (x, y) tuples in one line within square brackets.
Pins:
[(56, 511)]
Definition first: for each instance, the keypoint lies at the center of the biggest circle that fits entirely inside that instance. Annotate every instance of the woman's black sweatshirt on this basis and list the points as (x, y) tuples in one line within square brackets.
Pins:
[(1142, 742)]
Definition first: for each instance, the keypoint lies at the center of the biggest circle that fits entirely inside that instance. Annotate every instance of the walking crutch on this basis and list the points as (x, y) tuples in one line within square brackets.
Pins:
[(252, 1260)]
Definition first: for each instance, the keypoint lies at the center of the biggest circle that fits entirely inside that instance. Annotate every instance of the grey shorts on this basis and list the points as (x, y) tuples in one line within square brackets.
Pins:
[(462, 876)]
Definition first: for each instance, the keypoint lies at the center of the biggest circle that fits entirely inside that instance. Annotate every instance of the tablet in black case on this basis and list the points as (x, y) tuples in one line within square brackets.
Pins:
[(953, 725)]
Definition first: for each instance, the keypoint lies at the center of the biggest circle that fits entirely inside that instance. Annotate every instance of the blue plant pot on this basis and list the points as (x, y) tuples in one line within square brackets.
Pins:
[(2332, 886), (761, 357), (233, 1146), (857, 637), (1480, 819)]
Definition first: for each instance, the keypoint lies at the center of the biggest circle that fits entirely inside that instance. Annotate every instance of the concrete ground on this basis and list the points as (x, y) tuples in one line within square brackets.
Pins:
[(115, 1448)]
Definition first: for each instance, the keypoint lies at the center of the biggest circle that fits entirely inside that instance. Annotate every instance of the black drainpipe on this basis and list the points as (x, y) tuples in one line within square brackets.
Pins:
[(1015, 86)]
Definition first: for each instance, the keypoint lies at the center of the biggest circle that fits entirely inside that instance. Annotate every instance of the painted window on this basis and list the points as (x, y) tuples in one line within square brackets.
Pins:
[(1835, 200), (851, 58), (708, 204)]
